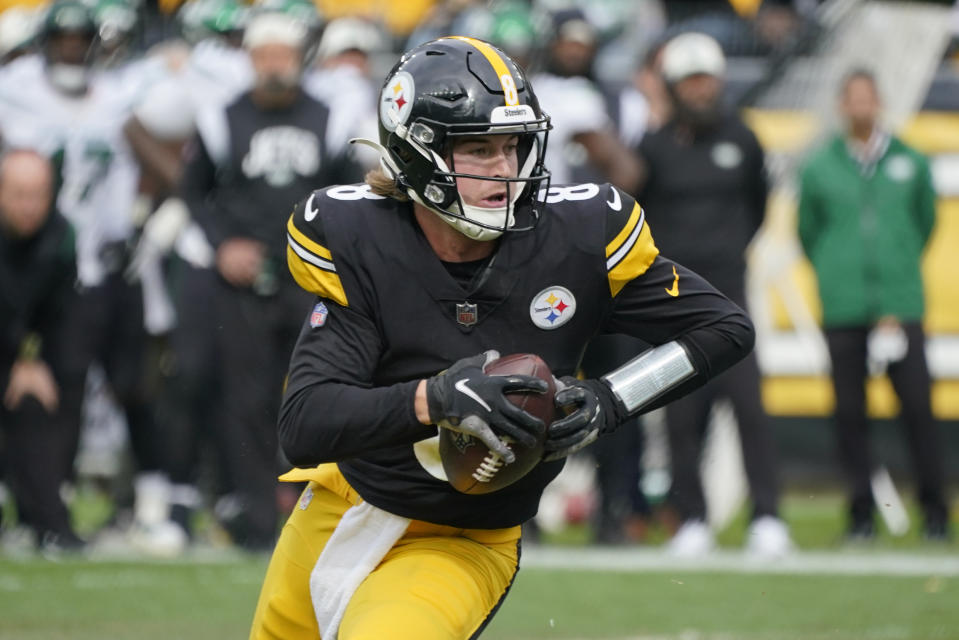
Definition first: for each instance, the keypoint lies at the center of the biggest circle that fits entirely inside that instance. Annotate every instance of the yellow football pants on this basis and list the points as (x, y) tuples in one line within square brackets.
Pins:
[(436, 583)]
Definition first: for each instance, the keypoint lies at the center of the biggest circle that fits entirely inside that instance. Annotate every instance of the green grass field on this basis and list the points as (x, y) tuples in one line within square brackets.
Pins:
[(80, 600), (901, 590)]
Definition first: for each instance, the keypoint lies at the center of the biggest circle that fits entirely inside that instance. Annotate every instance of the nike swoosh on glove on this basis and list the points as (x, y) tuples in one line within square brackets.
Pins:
[(591, 411), (464, 399)]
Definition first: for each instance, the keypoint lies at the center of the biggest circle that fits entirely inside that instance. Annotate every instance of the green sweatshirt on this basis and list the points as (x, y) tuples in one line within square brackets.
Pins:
[(864, 230)]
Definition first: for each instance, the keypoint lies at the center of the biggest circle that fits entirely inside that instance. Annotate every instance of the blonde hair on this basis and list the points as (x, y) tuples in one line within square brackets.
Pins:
[(383, 185)]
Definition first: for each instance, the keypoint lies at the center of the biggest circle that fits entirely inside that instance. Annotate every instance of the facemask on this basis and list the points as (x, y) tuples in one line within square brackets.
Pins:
[(69, 78)]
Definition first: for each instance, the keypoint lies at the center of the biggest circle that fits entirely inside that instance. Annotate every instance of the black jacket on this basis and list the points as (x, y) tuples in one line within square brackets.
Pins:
[(247, 167), (705, 197), (37, 284)]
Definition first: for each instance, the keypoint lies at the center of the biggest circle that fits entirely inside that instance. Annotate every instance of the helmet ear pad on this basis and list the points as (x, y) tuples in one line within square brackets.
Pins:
[(414, 173)]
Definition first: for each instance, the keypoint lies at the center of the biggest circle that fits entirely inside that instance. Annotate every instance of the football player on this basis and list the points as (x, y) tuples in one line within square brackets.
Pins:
[(454, 249)]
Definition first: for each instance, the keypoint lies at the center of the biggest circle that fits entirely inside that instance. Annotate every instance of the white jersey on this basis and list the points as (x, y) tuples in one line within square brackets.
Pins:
[(135, 76), (214, 74), (633, 116), (574, 106), (351, 98), (99, 172), (217, 73)]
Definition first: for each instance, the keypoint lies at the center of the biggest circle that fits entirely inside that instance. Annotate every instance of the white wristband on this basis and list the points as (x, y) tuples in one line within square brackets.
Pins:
[(650, 374)]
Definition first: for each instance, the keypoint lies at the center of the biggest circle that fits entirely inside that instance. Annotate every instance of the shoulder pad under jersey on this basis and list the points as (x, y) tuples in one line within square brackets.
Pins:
[(307, 254), (321, 229), (628, 242)]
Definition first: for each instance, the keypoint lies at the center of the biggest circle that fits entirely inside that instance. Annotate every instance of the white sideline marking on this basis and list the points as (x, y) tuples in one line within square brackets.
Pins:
[(853, 562)]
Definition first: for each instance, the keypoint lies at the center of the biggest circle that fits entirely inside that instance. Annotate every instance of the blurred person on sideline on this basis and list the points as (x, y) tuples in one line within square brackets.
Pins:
[(60, 103), (215, 70), (514, 27), (37, 276), (341, 80), (583, 144), (705, 189), (866, 212), (622, 512), (250, 160)]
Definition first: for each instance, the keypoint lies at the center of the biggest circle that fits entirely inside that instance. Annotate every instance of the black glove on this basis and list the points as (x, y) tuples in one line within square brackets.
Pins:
[(592, 411), (464, 399)]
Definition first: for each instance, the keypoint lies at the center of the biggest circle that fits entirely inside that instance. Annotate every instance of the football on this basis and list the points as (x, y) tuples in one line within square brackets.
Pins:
[(469, 464)]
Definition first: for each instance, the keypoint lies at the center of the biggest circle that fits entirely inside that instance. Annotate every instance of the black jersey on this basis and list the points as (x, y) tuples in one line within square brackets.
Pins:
[(246, 161), (390, 314), (706, 197)]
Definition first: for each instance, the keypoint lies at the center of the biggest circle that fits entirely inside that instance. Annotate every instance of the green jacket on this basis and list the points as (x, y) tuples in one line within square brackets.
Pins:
[(865, 232)]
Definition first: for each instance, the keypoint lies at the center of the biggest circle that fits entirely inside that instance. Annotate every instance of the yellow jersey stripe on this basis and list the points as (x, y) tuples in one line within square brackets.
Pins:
[(305, 242), (321, 282), (316, 261), (625, 232), (502, 72), (634, 262)]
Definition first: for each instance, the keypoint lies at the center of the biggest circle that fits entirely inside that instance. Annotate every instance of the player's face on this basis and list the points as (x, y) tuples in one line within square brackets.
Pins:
[(25, 195), (572, 57), (493, 156), (276, 66), (699, 92), (69, 48), (860, 104)]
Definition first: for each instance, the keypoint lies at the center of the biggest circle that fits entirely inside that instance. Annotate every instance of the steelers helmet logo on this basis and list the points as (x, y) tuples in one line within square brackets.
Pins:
[(552, 307), (396, 100)]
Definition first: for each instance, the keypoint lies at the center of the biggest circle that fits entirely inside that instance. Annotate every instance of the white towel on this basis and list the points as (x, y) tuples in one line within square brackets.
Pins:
[(364, 535)]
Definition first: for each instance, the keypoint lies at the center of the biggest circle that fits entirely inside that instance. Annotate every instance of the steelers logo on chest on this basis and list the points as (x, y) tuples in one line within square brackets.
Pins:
[(552, 307)]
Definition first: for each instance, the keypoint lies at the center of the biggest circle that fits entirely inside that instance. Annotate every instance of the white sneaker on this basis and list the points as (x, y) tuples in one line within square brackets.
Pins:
[(19, 541), (693, 539), (164, 539), (768, 537)]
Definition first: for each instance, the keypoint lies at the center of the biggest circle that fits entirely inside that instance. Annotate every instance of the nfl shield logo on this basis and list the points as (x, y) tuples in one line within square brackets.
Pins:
[(318, 317), (466, 314)]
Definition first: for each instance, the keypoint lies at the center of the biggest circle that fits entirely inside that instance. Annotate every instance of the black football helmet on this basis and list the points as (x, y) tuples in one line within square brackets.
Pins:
[(454, 87)]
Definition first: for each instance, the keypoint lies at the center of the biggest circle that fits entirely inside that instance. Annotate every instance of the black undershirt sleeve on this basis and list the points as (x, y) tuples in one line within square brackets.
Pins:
[(330, 410), (715, 331)]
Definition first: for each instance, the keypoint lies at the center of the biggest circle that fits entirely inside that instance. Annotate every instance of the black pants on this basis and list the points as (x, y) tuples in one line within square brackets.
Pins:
[(254, 338), (910, 379), (37, 454), (107, 327), (686, 421), (189, 388), (617, 454)]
